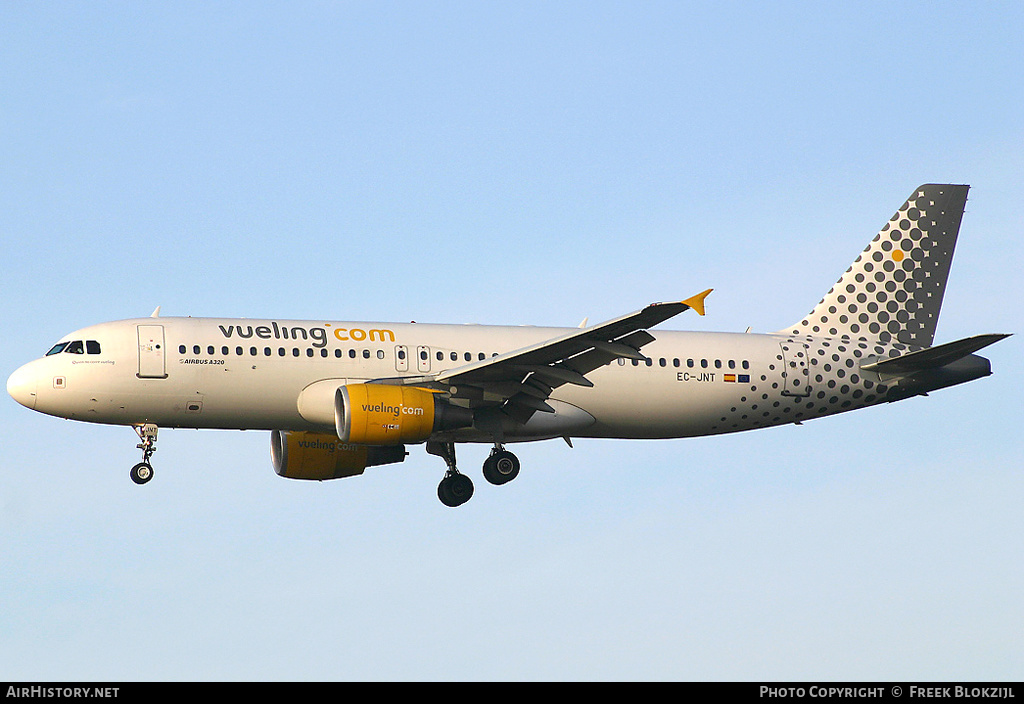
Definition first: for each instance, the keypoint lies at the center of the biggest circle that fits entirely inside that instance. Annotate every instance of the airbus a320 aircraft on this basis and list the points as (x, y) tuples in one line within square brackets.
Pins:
[(339, 397)]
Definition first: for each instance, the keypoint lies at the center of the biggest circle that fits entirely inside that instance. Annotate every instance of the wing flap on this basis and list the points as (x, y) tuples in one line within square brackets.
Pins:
[(553, 374)]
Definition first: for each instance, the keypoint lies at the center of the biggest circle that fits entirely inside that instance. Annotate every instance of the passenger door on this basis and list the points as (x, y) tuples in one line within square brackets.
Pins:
[(795, 373), (152, 355)]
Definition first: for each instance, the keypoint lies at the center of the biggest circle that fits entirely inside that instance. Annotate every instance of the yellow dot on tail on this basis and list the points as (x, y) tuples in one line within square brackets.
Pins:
[(897, 255)]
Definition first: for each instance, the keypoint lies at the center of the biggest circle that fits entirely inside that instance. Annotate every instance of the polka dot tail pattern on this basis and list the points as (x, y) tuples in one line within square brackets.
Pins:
[(893, 291)]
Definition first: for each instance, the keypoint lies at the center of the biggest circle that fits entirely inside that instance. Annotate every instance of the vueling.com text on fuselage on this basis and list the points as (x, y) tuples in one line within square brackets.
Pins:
[(318, 335)]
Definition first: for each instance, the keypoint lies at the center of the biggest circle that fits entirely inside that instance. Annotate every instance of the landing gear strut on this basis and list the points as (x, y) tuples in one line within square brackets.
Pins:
[(143, 471), (456, 488)]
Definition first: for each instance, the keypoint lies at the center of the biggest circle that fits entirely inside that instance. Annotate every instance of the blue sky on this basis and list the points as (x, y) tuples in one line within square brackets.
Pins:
[(514, 163)]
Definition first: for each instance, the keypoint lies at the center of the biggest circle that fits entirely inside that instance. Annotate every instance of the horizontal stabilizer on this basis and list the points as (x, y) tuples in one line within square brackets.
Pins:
[(932, 357)]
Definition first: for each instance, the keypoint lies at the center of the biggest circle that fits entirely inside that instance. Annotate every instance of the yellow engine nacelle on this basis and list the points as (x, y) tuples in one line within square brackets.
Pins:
[(300, 455), (380, 414)]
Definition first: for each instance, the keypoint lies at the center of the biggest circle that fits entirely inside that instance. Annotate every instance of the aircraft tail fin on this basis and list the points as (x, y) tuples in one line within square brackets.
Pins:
[(894, 289)]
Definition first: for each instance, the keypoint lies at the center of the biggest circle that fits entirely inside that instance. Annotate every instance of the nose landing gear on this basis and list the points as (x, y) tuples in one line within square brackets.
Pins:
[(143, 471)]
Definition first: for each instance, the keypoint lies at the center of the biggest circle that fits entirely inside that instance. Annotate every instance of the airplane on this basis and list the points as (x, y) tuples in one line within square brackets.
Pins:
[(339, 397)]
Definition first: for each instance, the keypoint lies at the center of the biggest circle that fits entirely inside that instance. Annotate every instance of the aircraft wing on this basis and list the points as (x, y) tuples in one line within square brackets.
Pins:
[(521, 380)]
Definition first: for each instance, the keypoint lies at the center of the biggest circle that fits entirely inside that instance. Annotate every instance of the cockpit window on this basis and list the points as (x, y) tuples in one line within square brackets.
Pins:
[(76, 347)]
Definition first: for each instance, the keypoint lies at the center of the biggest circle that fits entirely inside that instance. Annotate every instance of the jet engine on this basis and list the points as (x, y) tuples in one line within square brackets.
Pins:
[(381, 414), (301, 455)]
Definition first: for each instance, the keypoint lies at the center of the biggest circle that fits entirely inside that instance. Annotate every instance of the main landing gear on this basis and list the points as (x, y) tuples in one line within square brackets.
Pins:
[(143, 471), (501, 466), (456, 488)]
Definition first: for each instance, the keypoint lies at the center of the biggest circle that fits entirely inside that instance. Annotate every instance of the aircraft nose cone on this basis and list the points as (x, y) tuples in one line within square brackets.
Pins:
[(21, 385)]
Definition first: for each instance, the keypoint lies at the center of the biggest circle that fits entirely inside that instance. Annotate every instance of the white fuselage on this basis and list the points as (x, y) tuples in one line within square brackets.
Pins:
[(264, 374), (342, 396)]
